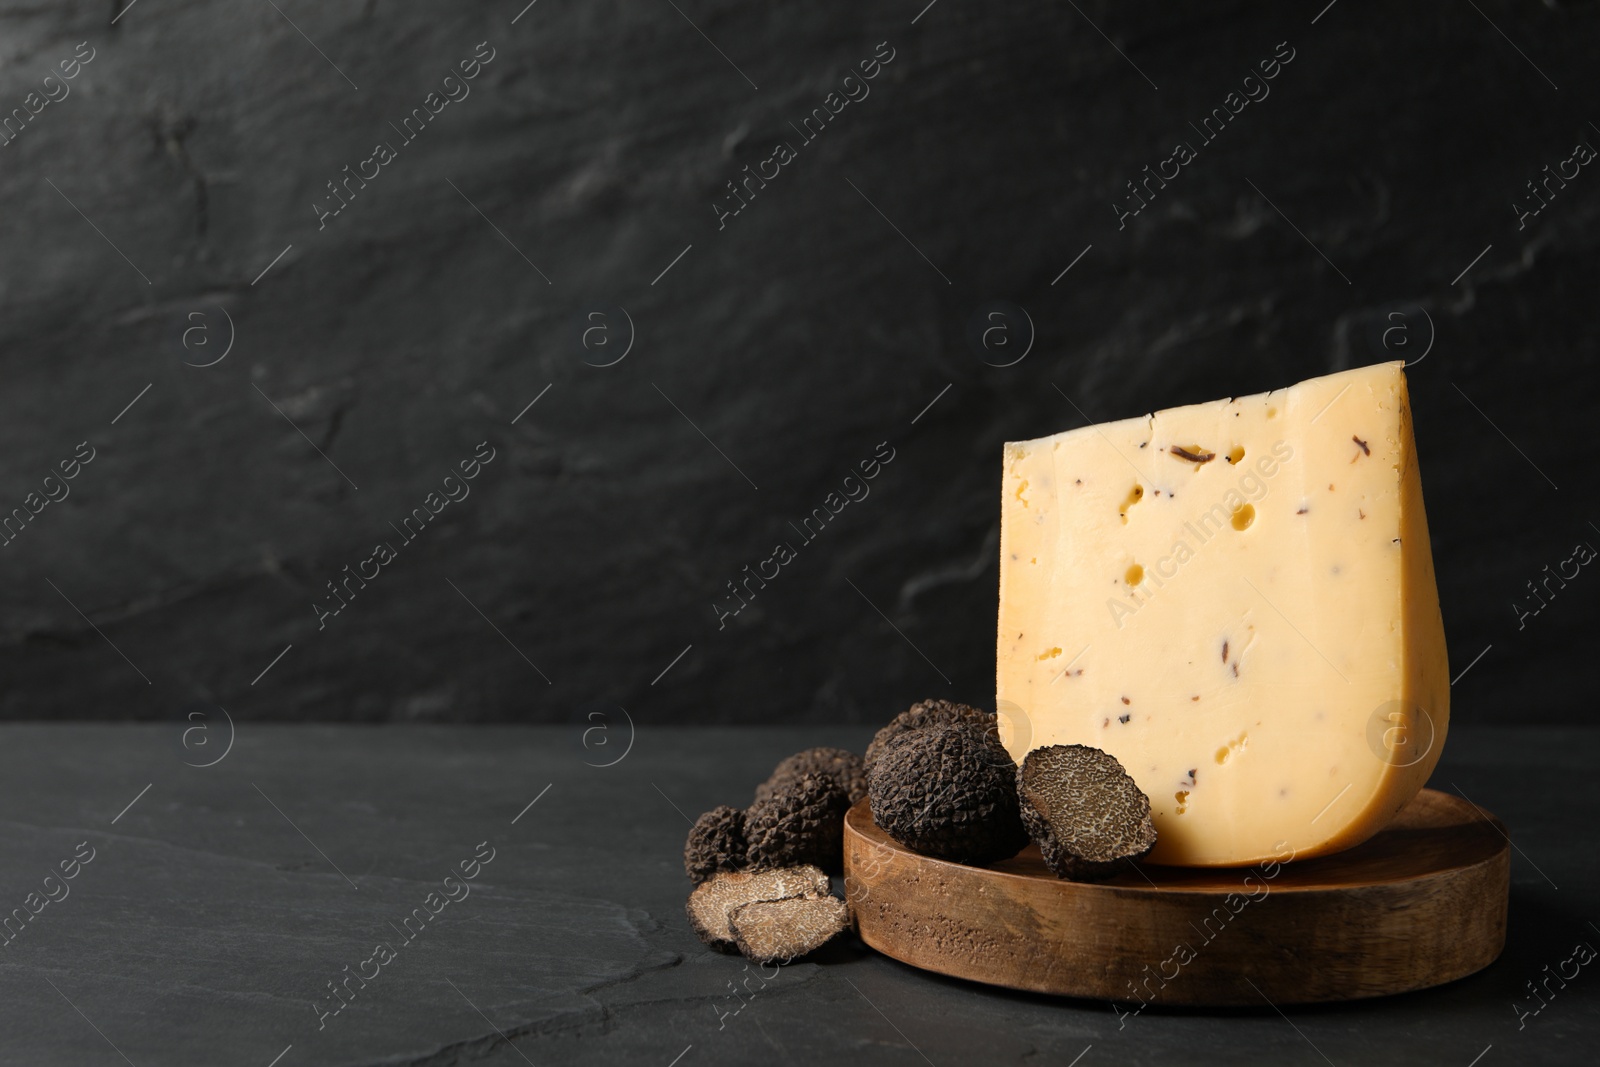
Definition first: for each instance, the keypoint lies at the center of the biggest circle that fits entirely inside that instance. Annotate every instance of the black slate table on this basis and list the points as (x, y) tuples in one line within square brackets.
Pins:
[(212, 908)]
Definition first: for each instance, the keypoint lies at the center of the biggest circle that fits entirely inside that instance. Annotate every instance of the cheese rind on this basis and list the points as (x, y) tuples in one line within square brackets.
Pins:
[(1237, 600)]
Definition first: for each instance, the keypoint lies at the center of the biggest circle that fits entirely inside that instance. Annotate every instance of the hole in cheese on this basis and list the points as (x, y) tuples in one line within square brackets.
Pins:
[(1135, 495), (1135, 574), (1244, 517), (1235, 454)]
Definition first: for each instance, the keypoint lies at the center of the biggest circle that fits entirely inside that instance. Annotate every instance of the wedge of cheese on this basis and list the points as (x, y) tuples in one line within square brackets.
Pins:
[(1237, 601)]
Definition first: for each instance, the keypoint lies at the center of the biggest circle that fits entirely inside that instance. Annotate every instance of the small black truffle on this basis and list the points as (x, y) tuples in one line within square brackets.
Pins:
[(1086, 813), (928, 713), (950, 792), (716, 843), (842, 765), (803, 822)]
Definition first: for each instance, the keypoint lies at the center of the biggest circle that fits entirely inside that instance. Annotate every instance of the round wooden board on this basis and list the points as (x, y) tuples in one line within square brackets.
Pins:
[(1421, 903)]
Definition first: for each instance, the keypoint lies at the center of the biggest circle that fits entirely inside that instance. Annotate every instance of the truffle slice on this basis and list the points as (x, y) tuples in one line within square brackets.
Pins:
[(715, 899), (1086, 813), (777, 931), (802, 823), (948, 792), (842, 765), (716, 843), (928, 713)]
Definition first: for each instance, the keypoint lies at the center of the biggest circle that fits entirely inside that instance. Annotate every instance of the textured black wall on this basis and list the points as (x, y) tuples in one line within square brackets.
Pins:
[(167, 202)]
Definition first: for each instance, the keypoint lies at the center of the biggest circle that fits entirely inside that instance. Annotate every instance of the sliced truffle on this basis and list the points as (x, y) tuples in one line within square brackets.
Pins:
[(1086, 813), (716, 843), (716, 898), (950, 792), (777, 931), (927, 713), (803, 822), (843, 766)]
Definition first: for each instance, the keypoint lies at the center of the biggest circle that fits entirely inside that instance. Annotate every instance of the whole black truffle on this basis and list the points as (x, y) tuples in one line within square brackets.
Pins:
[(801, 823), (1088, 816), (949, 792), (928, 713), (716, 843), (843, 766)]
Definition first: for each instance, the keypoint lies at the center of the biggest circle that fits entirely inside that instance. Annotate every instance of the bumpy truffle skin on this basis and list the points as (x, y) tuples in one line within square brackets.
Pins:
[(927, 713), (716, 843), (1087, 815), (777, 931), (945, 792), (802, 823), (843, 766), (714, 900)]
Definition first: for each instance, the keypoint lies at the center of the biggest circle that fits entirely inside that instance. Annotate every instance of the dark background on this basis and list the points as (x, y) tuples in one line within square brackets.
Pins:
[(796, 339)]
